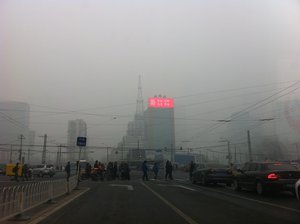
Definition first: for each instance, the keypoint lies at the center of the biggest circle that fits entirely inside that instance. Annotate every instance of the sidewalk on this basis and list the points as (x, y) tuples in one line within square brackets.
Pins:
[(43, 211)]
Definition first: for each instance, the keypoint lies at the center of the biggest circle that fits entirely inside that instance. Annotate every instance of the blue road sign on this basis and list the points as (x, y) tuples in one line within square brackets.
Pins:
[(81, 141)]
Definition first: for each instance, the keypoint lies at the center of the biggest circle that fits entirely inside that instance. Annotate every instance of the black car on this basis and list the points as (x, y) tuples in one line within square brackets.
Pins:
[(209, 173), (263, 177)]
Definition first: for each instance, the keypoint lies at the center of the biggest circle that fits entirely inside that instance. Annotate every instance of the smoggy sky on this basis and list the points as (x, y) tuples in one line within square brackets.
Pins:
[(85, 56)]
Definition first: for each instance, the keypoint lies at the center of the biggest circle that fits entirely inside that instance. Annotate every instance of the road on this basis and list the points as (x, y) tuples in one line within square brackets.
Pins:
[(177, 201)]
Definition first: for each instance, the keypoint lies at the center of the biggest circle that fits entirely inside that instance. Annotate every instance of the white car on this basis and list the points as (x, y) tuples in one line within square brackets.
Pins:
[(42, 170), (297, 189)]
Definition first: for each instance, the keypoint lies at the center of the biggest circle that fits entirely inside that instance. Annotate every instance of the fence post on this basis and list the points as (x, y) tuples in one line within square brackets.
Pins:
[(21, 201)]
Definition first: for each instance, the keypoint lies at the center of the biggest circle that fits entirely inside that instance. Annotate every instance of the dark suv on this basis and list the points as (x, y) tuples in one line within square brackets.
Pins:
[(266, 176)]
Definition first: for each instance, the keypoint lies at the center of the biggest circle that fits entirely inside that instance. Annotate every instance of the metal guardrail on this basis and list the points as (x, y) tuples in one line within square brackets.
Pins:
[(15, 200)]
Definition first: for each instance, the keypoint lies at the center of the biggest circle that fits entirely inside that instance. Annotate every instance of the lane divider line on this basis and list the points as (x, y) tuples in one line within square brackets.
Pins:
[(129, 187), (175, 209), (249, 199)]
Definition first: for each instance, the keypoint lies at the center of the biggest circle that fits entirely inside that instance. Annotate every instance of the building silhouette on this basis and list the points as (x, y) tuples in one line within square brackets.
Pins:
[(76, 128)]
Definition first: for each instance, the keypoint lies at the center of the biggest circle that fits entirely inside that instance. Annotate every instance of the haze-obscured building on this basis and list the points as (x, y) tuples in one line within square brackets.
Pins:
[(14, 123), (76, 128), (160, 127)]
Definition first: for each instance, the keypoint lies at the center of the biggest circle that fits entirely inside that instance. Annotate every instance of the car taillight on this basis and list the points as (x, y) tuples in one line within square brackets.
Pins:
[(273, 176)]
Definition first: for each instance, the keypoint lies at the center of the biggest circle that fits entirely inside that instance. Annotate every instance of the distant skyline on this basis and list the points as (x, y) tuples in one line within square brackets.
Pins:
[(82, 59)]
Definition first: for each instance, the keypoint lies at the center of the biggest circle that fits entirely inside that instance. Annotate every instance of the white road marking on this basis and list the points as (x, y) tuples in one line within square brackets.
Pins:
[(252, 200), (176, 185), (237, 196), (184, 187), (129, 187), (179, 212)]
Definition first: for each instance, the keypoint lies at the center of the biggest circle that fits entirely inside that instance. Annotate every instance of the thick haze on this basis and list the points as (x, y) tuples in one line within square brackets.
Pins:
[(86, 56)]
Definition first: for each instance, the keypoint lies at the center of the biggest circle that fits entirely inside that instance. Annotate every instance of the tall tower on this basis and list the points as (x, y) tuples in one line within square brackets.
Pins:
[(139, 100)]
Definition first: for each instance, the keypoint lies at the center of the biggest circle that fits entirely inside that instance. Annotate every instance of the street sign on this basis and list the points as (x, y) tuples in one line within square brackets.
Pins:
[(81, 141)]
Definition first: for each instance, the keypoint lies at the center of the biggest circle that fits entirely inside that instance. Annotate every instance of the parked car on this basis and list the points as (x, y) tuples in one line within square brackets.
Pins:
[(212, 173), (297, 189), (263, 177), (43, 169)]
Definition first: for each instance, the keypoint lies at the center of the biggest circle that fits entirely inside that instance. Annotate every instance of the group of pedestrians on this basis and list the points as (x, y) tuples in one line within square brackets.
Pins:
[(155, 169), (99, 171), (25, 174), (114, 171)]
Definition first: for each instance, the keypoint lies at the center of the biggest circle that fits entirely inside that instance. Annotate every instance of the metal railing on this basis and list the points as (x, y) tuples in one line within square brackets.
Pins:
[(15, 200)]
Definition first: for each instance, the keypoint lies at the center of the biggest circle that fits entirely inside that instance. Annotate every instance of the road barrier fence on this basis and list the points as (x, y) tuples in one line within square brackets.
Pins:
[(15, 200)]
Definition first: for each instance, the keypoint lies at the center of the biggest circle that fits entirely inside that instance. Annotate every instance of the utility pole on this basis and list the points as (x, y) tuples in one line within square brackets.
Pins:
[(122, 150), (10, 155), (249, 146), (106, 155), (58, 157), (28, 156), (229, 153), (235, 154), (21, 144), (44, 149)]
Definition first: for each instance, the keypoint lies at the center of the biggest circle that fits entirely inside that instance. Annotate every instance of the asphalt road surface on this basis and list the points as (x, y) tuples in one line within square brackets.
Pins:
[(176, 201)]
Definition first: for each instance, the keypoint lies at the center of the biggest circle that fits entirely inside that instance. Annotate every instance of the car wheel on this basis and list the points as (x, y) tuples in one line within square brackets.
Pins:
[(236, 185), (259, 188)]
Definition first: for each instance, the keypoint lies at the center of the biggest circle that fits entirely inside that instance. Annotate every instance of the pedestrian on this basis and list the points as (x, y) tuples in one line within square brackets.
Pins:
[(68, 170), (169, 169), (109, 171), (88, 169), (15, 171), (191, 170), (155, 170), (145, 170), (115, 170), (25, 172)]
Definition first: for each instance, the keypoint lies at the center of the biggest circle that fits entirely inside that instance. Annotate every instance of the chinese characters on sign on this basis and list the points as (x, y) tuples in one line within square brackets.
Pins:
[(161, 103)]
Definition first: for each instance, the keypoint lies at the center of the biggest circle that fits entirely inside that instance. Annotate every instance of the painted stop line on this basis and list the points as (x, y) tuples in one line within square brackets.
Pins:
[(129, 187)]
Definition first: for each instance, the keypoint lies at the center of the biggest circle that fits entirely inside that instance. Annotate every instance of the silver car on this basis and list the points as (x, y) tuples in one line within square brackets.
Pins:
[(42, 170)]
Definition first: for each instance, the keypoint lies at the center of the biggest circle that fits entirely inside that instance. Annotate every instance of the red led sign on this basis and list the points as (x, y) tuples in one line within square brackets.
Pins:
[(160, 102)]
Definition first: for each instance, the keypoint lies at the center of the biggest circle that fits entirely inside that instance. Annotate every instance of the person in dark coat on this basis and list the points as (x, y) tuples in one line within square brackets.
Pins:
[(68, 170), (155, 170), (15, 171), (115, 170), (25, 170), (145, 170), (169, 169), (192, 168)]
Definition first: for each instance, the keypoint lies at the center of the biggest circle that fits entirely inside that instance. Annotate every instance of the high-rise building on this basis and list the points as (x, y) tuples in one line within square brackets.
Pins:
[(160, 126), (14, 125), (132, 145), (76, 128)]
